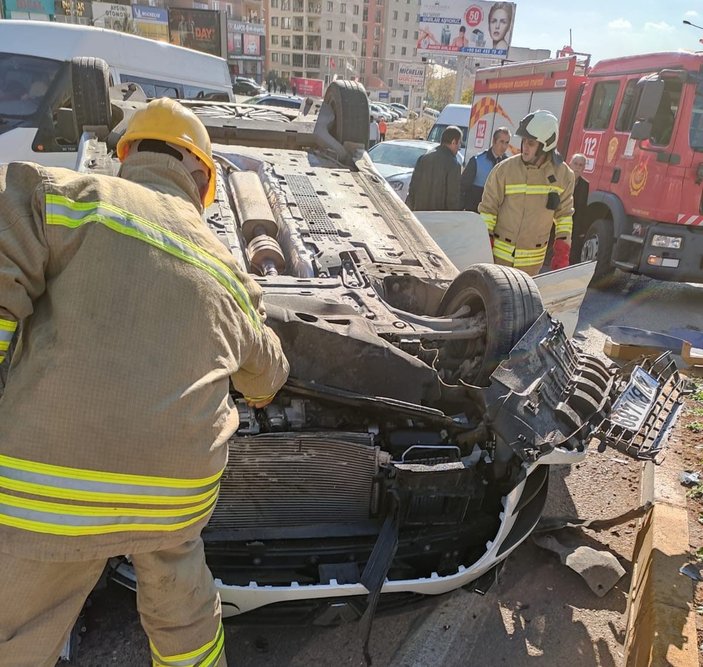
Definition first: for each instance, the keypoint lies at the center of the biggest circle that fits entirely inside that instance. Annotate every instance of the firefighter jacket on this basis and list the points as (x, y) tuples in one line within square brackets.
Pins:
[(521, 203), (133, 317), (434, 185)]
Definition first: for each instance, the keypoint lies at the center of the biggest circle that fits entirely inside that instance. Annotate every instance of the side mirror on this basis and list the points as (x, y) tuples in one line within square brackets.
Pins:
[(641, 130)]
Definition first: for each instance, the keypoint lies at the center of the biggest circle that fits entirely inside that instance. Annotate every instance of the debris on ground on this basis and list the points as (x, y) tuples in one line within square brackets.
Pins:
[(690, 478), (693, 571)]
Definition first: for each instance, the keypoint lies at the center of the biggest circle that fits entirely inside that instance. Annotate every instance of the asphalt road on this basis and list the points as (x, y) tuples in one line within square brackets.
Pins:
[(539, 613)]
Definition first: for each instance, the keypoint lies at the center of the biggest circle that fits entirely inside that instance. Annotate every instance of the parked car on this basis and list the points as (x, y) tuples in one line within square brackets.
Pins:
[(246, 86), (409, 452), (395, 160), (401, 109), (377, 112), (389, 109), (276, 100)]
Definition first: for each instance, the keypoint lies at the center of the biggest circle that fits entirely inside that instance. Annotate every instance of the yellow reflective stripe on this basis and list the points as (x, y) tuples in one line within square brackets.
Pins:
[(8, 325), (65, 509), (210, 652), (34, 489), (75, 531), (524, 189), (490, 220), (2, 358), (106, 477), (564, 224), (524, 252), (4, 345), (68, 213), (503, 250)]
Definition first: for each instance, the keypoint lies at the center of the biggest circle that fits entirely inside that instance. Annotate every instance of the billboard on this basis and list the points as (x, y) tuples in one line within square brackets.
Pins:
[(455, 27), (307, 87), (113, 16), (151, 22), (411, 75), (195, 29)]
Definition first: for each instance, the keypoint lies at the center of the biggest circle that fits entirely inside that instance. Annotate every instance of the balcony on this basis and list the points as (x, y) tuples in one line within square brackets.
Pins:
[(314, 8)]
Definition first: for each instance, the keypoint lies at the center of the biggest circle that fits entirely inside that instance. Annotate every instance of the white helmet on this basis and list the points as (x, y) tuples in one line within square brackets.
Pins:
[(542, 126)]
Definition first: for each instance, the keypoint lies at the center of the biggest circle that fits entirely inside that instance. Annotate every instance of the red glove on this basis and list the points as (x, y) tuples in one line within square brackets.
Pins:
[(490, 237), (560, 255)]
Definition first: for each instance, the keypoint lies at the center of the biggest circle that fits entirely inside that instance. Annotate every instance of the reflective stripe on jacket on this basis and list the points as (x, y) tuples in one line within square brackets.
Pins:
[(514, 208), (116, 412)]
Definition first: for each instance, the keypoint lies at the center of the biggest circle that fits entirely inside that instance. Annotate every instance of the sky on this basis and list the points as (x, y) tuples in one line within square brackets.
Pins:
[(608, 29)]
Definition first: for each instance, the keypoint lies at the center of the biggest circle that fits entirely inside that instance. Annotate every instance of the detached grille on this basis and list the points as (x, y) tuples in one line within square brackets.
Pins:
[(284, 479)]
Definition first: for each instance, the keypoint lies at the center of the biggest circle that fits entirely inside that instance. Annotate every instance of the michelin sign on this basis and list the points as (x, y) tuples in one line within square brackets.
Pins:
[(454, 27)]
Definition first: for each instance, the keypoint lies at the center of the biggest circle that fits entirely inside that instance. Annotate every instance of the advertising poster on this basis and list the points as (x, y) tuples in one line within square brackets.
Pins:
[(455, 27), (195, 29), (251, 45), (307, 87), (113, 17), (151, 22), (411, 75)]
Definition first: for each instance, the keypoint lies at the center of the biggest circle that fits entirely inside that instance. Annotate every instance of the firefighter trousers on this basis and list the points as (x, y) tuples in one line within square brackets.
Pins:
[(177, 601)]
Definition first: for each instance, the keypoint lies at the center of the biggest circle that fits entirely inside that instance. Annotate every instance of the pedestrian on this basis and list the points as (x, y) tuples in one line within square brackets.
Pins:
[(293, 88), (434, 185), (284, 86), (382, 128), (374, 132), (581, 221), (116, 414), (473, 179), (528, 193)]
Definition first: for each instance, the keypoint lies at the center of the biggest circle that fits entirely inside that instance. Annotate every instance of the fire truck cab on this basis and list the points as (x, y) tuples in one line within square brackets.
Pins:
[(639, 122)]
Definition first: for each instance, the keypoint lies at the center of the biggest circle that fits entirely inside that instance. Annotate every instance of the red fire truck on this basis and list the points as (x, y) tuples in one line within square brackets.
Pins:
[(639, 122)]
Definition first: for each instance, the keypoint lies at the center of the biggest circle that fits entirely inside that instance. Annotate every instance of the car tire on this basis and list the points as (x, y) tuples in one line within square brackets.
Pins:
[(90, 84), (511, 302), (350, 105), (598, 245)]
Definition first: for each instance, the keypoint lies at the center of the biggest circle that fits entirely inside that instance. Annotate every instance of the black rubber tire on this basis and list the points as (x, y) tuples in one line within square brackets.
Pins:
[(90, 84), (598, 245), (511, 301), (350, 105)]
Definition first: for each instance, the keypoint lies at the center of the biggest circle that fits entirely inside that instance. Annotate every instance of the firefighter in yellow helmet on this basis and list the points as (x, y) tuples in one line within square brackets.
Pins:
[(526, 195), (115, 418)]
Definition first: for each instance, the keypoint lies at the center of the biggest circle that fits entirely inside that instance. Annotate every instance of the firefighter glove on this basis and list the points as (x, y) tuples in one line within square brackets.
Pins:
[(560, 256)]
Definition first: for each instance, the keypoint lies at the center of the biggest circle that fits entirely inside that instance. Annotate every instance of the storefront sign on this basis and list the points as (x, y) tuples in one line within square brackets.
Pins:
[(195, 29)]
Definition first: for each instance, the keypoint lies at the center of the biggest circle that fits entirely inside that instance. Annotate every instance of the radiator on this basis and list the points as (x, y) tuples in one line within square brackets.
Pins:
[(296, 479)]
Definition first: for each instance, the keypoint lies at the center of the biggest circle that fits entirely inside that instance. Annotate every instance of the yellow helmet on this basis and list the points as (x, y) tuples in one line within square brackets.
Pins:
[(166, 120)]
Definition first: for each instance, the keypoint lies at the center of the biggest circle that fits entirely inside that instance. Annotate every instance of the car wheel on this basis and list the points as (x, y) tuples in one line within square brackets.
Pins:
[(511, 303), (90, 84), (350, 105), (598, 246)]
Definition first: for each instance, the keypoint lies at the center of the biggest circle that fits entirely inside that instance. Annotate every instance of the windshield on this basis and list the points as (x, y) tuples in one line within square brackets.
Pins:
[(398, 156), (24, 82), (695, 135)]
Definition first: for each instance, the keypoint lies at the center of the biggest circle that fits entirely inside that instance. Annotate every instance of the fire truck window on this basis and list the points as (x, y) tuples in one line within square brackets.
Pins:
[(602, 103), (695, 136), (628, 107), (663, 121)]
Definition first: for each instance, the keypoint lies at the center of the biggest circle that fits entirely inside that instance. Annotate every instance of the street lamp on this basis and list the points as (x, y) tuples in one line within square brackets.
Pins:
[(692, 24)]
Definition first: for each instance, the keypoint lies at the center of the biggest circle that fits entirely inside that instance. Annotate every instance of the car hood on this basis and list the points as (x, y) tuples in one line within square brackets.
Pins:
[(391, 170)]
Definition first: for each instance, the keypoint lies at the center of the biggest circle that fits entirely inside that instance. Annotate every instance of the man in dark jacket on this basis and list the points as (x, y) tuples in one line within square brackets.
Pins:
[(434, 185), (479, 166), (581, 222)]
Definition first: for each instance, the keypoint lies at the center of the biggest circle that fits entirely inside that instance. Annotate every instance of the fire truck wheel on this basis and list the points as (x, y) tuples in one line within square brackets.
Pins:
[(90, 83), (351, 111), (510, 301), (598, 246)]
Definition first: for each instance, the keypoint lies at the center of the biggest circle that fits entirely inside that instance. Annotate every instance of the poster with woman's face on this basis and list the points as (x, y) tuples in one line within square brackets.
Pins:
[(453, 26)]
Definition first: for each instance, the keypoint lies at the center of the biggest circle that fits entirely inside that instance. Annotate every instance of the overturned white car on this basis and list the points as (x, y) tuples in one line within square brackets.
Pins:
[(410, 451)]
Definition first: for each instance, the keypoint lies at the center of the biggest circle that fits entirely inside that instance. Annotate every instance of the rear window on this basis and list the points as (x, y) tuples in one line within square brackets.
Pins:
[(436, 133), (398, 156), (24, 83)]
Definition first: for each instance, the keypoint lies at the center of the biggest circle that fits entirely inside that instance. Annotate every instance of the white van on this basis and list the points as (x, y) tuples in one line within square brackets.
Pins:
[(42, 65), (452, 114)]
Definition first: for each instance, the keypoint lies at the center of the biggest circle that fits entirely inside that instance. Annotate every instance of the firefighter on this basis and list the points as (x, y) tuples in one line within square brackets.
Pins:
[(528, 193), (116, 413)]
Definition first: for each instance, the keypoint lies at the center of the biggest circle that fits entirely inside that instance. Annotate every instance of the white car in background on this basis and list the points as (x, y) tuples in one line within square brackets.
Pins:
[(395, 160)]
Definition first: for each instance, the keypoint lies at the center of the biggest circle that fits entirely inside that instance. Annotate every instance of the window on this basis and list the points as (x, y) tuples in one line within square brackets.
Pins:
[(297, 60), (285, 59), (415, 36), (343, 8), (390, 82), (375, 50), (274, 4), (285, 42), (285, 22), (628, 106), (328, 43), (354, 46), (274, 40), (329, 26), (392, 49), (377, 32), (405, 34), (602, 102), (274, 57), (298, 42), (395, 16), (365, 16), (298, 23), (356, 10), (274, 21), (391, 67), (378, 16), (394, 32), (403, 51), (665, 117), (374, 66), (229, 9), (330, 6), (341, 45), (355, 28), (342, 26), (363, 49)]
